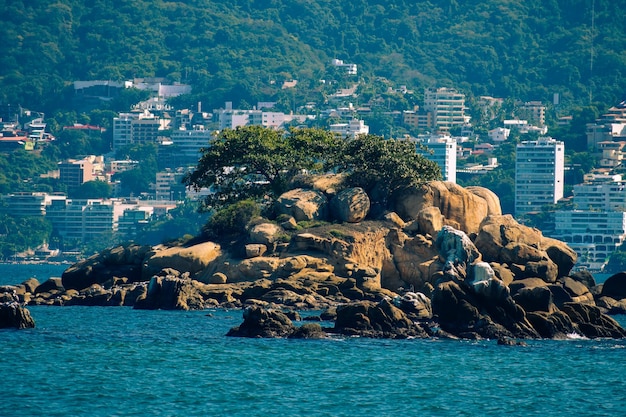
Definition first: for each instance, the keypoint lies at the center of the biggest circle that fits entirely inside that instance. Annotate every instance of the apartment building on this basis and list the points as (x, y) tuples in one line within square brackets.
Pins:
[(169, 185), (352, 129), (27, 204), (610, 127), (73, 173), (446, 107), (534, 112), (596, 227), (136, 128), (82, 220), (539, 174), (189, 142), (441, 149)]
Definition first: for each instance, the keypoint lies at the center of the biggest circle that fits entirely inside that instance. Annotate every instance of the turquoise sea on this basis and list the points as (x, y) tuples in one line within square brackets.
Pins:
[(115, 361)]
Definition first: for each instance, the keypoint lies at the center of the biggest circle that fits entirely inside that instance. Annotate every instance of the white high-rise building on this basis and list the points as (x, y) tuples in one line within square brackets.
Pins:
[(539, 174), (597, 225), (440, 149)]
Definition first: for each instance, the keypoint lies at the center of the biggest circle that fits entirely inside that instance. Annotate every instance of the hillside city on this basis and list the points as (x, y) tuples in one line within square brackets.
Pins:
[(473, 140)]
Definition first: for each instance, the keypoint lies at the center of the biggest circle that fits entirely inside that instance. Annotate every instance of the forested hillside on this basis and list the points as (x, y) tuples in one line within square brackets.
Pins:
[(242, 49)]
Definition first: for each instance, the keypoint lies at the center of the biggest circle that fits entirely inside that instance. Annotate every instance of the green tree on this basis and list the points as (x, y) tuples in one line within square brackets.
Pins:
[(256, 162), (18, 234), (384, 167), (253, 162), (93, 189), (617, 262)]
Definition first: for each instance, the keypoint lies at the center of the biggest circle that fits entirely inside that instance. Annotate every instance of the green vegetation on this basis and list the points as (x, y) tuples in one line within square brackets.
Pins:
[(243, 51), (18, 234), (232, 219), (254, 162), (258, 163)]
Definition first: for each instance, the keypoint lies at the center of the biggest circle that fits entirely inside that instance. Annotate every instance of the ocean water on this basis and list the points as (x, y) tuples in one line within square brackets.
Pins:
[(115, 361)]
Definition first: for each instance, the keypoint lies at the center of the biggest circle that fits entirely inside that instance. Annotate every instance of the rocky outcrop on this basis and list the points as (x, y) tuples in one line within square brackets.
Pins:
[(119, 261), (379, 320), (171, 291), (454, 260), (259, 322), (13, 315)]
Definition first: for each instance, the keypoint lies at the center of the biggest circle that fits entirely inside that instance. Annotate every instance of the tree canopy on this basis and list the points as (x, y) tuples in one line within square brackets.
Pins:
[(254, 162), (245, 49)]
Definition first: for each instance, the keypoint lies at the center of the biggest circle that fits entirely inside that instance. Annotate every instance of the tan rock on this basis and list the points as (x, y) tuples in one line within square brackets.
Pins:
[(395, 219), (264, 233), (430, 221), (193, 259), (351, 205), (303, 204), (255, 249), (502, 239), (463, 209), (218, 278)]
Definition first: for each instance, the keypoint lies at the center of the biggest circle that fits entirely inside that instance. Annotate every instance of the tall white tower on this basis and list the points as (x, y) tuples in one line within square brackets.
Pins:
[(539, 172)]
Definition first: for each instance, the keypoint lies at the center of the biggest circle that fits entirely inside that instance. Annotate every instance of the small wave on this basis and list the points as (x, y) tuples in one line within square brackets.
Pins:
[(576, 336)]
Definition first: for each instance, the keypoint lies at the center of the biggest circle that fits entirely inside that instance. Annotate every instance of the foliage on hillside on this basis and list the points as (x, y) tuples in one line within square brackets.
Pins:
[(242, 50)]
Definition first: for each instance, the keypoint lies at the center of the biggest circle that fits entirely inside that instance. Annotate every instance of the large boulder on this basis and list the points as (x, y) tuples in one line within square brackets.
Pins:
[(381, 320), (259, 322), (615, 286), (503, 240), (462, 208), (170, 292), (591, 322), (13, 315), (193, 259), (303, 204), (350, 205), (119, 261), (456, 249), (265, 233)]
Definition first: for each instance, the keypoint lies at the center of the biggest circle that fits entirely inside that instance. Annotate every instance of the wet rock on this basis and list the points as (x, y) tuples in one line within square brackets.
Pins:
[(13, 315), (259, 322), (171, 293), (380, 320), (555, 325), (591, 322), (309, 331), (615, 286)]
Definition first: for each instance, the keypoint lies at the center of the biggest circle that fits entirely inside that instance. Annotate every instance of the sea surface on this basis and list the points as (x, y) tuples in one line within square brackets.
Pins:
[(116, 361)]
